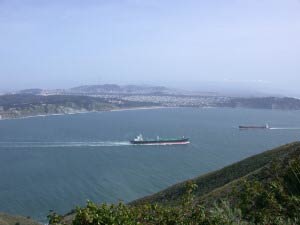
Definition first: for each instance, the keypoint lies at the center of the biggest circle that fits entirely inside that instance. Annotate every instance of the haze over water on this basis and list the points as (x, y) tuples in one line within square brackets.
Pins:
[(59, 162)]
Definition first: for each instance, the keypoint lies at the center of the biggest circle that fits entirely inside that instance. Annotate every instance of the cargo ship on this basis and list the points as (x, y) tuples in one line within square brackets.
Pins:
[(139, 140), (255, 127)]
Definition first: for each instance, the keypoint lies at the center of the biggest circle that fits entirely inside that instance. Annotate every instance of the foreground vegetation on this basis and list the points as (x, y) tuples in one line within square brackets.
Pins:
[(267, 195)]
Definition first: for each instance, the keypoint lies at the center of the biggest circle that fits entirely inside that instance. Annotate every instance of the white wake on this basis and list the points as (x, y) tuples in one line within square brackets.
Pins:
[(284, 128), (64, 144)]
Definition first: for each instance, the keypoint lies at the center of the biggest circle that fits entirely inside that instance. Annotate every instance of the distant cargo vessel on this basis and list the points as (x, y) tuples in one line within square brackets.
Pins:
[(139, 140), (255, 127)]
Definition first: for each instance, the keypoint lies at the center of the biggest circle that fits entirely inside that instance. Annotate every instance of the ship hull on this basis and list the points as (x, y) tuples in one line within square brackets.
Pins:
[(253, 127), (161, 142)]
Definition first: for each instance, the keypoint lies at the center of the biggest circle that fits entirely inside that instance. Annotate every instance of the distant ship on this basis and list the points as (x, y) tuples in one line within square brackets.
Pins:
[(255, 127), (139, 140)]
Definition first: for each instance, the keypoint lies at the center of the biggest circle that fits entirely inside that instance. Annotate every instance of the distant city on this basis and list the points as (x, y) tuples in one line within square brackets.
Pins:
[(93, 98)]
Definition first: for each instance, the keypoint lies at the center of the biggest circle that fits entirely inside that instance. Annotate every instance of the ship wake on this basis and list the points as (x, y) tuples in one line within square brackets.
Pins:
[(284, 128), (63, 144), (73, 144)]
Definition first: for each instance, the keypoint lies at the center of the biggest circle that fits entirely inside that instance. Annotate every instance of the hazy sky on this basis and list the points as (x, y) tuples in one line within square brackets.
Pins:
[(64, 43)]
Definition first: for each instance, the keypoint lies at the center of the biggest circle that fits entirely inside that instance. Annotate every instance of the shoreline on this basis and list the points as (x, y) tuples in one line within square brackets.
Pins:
[(86, 112), (140, 108), (132, 109)]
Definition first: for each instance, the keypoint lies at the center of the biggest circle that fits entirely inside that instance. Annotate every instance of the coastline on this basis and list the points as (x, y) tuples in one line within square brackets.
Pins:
[(86, 112), (140, 108)]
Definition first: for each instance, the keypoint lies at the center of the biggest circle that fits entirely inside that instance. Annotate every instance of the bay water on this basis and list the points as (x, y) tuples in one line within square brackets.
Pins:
[(60, 162)]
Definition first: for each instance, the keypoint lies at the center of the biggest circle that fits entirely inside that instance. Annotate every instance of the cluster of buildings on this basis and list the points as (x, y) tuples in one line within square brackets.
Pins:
[(170, 100)]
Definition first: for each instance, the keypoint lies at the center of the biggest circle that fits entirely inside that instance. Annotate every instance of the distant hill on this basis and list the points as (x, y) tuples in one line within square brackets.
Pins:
[(87, 98), (266, 103), (159, 95), (24, 105), (117, 89), (34, 91), (101, 89)]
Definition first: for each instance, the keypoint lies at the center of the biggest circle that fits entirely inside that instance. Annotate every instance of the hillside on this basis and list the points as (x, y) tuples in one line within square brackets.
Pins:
[(262, 189), (118, 89), (89, 98), (23, 105), (217, 184), (6, 219), (265, 103)]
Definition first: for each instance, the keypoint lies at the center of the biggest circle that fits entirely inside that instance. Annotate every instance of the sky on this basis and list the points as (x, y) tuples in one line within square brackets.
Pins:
[(193, 44)]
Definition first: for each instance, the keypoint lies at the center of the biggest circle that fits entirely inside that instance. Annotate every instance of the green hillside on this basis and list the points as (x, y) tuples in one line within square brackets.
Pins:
[(6, 219), (215, 183), (262, 189)]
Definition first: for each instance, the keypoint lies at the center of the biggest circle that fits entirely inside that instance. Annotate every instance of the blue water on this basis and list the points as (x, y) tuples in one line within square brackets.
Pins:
[(59, 162)]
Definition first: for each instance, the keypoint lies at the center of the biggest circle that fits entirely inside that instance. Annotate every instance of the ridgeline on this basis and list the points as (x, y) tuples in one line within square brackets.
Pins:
[(36, 102)]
